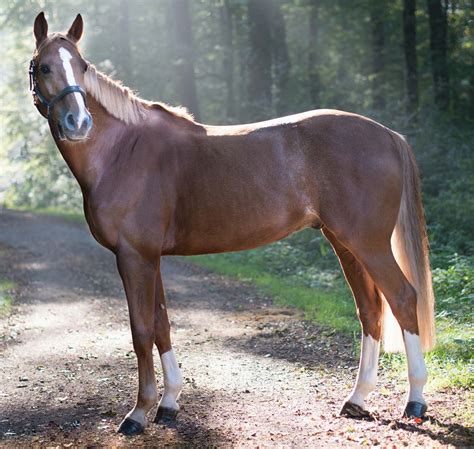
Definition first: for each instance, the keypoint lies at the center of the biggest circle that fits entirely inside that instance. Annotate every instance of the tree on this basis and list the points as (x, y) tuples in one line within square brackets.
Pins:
[(313, 52), (227, 30), (281, 59), (260, 60), (437, 12), (377, 12), (125, 62), (184, 56), (409, 46)]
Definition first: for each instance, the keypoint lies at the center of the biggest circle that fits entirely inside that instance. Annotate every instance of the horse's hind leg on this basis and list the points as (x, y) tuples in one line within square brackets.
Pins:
[(369, 309), (380, 263), (173, 382)]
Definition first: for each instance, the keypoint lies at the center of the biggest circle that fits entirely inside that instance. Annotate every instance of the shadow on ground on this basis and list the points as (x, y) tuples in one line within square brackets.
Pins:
[(88, 421)]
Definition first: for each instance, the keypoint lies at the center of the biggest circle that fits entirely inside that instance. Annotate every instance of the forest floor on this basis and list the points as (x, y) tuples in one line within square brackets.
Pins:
[(255, 375)]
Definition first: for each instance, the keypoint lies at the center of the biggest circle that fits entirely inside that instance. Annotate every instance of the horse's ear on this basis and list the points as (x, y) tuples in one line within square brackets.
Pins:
[(75, 32), (40, 28)]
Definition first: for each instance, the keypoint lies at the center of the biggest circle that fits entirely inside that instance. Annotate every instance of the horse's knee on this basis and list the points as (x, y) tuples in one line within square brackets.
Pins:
[(142, 339)]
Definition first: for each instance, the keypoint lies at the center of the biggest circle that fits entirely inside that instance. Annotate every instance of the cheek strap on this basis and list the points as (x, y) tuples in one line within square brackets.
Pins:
[(40, 98)]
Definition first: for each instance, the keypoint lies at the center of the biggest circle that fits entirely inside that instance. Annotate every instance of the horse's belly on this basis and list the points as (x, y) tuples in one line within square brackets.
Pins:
[(238, 235)]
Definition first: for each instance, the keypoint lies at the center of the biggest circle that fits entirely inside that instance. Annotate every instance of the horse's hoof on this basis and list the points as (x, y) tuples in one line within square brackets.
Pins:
[(414, 410), (352, 410), (165, 415), (129, 427)]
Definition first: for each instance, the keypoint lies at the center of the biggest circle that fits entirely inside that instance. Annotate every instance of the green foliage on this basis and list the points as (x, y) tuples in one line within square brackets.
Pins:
[(7, 289), (444, 150), (332, 307), (454, 287), (69, 215), (34, 174), (451, 363), (301, 270)]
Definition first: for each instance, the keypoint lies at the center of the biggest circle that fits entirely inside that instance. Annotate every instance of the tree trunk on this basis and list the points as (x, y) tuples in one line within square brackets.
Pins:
[(438, 46), (227, 28), (184, 56), (377, 11), (241, 36), (259, 90), (409, 43), (281, 60), (125, 63), (313, 53)]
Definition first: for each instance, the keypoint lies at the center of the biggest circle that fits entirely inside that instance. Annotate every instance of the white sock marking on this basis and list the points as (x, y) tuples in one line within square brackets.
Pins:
[(367, 375), (173, 380), (417, 374), (66, 59)]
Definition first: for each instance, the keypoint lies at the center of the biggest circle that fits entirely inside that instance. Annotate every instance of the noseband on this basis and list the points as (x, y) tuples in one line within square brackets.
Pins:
[(40, 98)]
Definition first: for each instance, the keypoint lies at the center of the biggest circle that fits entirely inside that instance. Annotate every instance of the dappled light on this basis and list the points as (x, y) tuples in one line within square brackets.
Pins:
[(236, 223)]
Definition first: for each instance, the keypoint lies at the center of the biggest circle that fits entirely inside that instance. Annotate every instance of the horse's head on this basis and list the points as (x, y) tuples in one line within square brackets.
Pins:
[(57, 79)]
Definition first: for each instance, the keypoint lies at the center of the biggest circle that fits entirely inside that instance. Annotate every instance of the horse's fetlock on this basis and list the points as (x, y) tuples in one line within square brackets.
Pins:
[(367, 383), (418, 377), (175, 385)]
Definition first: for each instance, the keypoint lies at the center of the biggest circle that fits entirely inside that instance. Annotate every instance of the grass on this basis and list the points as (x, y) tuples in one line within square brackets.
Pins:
[(75, 217), (450, 364), (302, 272), (334, 308), (7, 289)]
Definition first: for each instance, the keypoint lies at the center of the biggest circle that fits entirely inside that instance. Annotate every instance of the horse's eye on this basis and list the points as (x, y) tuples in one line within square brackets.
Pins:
[(44, 69)]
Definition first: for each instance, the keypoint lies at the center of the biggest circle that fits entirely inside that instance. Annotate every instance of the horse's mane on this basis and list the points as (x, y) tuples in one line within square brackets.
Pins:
[(120, 101), (117, 99)]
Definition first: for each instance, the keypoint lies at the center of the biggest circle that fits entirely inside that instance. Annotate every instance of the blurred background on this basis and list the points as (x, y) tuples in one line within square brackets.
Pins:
[(405, 63)]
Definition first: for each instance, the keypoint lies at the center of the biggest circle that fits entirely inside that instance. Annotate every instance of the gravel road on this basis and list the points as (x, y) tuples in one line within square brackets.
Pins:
[(256, 375)]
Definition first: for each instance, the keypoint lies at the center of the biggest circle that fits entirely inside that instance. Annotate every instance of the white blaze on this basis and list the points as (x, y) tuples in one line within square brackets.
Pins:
[(173, 381), (66, 59), (417, 374), (367, 375)]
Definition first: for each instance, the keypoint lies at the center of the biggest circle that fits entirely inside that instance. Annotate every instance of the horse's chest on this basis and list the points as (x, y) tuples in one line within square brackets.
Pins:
[(102, 226)]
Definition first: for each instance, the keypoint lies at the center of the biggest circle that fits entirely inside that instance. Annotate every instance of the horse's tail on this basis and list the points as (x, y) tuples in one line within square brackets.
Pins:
[(410, 248)]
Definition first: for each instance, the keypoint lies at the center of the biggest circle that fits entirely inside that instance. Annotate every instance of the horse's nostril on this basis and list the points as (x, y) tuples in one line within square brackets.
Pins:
[(70, 122), (88, 121)]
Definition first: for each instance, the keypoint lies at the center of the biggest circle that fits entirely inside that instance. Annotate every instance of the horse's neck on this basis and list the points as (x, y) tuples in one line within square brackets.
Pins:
[(87, 159)]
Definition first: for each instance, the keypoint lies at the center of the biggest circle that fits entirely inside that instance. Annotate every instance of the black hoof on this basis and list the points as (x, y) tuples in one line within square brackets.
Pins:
[(165, 415), (354, 411), (414, 410), (129, 427)]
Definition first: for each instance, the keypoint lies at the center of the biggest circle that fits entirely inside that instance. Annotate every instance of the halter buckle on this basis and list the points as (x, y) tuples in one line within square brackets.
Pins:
[(31, 73)]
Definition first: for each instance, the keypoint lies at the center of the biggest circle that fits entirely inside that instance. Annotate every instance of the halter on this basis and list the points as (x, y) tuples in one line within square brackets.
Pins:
[(38, 97)]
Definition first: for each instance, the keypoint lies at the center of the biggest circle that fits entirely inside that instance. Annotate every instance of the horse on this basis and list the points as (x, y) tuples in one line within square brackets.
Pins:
[(155, 182)]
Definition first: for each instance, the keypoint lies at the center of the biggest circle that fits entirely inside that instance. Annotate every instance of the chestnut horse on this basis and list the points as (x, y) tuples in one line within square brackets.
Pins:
[(157, 183)]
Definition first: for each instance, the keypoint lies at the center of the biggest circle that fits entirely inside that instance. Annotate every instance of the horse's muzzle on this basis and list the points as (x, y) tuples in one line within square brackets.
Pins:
[(74, 128)]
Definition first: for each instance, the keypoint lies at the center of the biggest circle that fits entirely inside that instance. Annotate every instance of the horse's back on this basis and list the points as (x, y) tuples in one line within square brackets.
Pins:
[(247, 185)]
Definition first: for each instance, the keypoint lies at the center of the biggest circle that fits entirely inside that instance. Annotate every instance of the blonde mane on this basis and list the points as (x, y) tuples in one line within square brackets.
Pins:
[(119, 101)]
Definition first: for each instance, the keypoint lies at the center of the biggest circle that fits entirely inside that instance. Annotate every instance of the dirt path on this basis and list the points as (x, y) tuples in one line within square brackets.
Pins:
[(255, 375)]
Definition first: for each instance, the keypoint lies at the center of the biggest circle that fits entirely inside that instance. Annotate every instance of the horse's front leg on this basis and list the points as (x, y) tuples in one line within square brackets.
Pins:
[(138, 276), (172, 379)]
